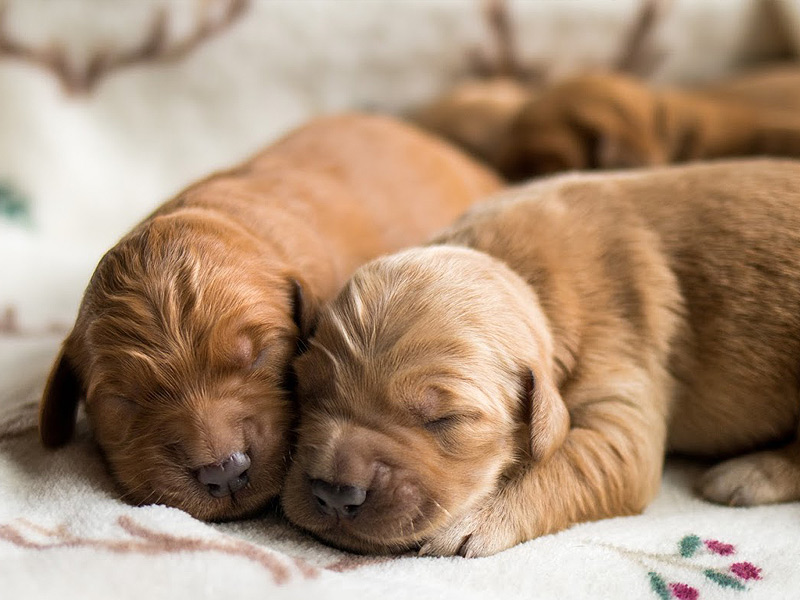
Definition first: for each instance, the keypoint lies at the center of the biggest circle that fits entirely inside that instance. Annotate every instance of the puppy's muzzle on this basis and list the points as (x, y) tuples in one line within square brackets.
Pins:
[(344, 500), (225, 478)]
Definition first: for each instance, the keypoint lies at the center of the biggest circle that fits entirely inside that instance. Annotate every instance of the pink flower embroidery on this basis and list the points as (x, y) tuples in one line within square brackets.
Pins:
[(681, 591), (746, 570), (721, 548)]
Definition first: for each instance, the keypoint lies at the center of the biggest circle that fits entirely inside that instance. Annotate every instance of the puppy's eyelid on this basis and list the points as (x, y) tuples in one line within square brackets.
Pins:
[(121, 405), (447, 422), (260, 359), (443, 423)]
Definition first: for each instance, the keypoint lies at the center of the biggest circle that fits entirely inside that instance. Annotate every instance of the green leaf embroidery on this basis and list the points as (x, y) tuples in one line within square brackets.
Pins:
[(689, 545), (13, 204), (723, 579), (659, 586)]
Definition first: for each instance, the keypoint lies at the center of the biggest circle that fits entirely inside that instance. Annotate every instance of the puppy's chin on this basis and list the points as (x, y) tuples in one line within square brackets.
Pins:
[(178, 487), (388, 523), (374, 531), (149, 470)]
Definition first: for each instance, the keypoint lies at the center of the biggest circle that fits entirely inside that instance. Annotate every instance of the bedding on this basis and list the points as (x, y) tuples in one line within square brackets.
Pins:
[(148, 96), (65, 534)]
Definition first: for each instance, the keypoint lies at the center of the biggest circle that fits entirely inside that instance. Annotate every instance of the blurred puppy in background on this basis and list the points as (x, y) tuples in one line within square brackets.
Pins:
[(183, 340), (529, 370), (607, 121)]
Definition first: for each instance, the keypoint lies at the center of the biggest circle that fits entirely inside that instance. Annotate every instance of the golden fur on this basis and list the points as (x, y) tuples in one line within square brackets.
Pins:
[(607, 120), (183, 341), (530, 369)]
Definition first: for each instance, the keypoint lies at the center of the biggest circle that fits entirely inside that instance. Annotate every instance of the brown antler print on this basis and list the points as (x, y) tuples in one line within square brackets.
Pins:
[(503, 60), (638, 54), (155, 47), (10, 326), (149, 542)]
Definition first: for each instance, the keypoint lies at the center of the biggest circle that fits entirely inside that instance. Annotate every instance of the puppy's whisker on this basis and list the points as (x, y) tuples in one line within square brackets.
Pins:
[(146, 499), (442, 508), (133, 490)]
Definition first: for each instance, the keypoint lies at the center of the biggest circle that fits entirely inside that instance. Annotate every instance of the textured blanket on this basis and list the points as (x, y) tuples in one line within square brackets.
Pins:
[(65, 534), (107, 108)]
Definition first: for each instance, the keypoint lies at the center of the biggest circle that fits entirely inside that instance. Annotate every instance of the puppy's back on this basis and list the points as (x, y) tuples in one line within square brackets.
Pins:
[(730, 234)]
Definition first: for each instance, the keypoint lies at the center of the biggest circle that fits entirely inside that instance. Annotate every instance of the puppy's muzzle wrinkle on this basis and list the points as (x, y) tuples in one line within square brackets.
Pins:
[(344, 500), (225, 478)]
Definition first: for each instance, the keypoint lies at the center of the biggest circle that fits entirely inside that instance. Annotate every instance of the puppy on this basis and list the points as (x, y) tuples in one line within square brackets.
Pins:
[(529, 370), (615, 121), (606, 121), (478, 115), (183, 340)]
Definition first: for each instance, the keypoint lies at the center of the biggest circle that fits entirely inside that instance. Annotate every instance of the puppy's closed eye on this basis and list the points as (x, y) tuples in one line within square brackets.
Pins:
[(447, 423), (260, 360), (443, 423), (118, 413), (121, 406)]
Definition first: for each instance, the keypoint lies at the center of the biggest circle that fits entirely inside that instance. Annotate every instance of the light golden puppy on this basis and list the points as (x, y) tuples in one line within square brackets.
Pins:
[(531, 369), (184, 338)]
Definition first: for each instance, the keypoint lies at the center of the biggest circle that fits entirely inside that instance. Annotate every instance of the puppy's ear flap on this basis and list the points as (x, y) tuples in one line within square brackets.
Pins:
[(59, 406), (549, 419), (305, 308)]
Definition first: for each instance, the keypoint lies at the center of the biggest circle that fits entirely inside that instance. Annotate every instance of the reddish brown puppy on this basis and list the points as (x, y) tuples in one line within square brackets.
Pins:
[(610, 121), (183, 341), (530, 371)]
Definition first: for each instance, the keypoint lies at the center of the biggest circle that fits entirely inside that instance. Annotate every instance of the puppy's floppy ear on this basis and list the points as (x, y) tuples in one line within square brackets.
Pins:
[(59, 406), (305, 308), (549, 419)]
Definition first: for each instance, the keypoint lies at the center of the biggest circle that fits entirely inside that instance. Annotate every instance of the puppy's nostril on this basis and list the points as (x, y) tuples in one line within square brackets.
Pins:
[(241, 481), (324, 507), (350, 509), (226, 478), (346, 500)]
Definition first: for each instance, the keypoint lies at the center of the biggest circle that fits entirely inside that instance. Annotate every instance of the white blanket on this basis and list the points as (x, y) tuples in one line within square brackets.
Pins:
[(77, 170), (65, 534)]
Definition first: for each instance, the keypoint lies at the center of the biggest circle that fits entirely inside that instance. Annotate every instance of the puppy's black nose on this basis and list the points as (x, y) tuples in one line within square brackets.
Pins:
[(345, 500), (226, 478)]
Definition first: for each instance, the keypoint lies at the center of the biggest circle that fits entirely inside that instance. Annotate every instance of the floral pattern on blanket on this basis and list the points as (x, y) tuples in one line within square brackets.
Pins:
[(692, 555), (694, 563)]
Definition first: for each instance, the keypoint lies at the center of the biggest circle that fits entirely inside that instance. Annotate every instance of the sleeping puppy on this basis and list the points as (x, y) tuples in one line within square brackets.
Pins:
[(478, 115), (613, 121), (183, 340), (530, 369), (606, 121)]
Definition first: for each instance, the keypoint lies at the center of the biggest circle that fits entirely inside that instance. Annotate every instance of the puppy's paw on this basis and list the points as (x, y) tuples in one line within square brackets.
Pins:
[(483, 533), (761, 478), (448, 541)]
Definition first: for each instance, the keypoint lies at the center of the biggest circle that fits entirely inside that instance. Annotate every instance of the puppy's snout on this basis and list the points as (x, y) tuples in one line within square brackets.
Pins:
[(227, 477), (346, 500)]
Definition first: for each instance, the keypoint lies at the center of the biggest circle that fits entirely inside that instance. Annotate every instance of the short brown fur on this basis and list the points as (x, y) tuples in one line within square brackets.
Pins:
[(184, 337), (655, 310)]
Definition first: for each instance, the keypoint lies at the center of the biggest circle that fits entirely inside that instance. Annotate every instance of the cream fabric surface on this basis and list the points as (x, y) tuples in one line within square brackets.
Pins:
[(78, 169), (64, 534)]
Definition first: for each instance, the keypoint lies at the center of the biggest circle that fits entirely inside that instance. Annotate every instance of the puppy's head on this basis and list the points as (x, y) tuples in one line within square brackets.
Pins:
[(590, 122), (428, 380), (476, 115), (181, 350)]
